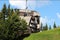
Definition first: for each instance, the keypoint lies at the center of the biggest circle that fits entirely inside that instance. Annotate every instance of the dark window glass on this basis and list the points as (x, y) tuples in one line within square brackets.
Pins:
[(25, 14)]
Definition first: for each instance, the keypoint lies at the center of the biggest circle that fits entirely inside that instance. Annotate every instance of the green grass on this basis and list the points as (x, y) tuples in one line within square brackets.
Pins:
[(45, 35)]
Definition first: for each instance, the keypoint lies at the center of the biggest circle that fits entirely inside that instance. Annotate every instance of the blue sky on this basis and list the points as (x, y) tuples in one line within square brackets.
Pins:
[(49, 9)]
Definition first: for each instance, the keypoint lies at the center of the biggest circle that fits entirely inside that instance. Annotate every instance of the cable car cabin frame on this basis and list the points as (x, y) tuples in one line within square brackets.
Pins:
[(27, 15)]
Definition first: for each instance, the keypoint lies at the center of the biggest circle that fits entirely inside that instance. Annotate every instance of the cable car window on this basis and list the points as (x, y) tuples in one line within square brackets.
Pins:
[(37, 19), (25, 14)]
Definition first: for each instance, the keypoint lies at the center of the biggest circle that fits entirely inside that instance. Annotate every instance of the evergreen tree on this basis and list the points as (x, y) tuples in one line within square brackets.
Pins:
[(4, 11), (49, 27), (13, 27), (0, 15), (9, 10), (45, 27), (17, 11), (41, 27), (54, 26)]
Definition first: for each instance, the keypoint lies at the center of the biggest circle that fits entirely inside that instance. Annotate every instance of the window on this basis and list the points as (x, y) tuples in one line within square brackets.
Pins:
[(37, 19), (25, 14)]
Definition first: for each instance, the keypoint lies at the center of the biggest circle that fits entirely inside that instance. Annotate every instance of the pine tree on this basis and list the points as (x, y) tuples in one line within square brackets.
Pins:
[(4, 10), (45, 27), (0, 15), (17, 11), (54, 26), (41, 27), (9, 10), (11, 28), (49, 27)]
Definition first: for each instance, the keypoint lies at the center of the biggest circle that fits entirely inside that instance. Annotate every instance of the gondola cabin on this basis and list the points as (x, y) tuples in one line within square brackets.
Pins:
[(31, 17)]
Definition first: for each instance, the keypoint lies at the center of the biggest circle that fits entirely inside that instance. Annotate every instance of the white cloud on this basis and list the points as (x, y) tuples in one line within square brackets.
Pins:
[(45, 20), (32, 4), (37, 3), (58, 15), (43, 3), (18, 3)]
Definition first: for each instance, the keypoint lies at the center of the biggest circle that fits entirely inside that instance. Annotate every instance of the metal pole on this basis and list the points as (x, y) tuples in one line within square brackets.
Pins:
[(26, 4)]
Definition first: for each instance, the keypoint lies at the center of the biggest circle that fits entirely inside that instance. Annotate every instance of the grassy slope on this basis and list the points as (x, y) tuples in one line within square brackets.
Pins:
[(46, 35)]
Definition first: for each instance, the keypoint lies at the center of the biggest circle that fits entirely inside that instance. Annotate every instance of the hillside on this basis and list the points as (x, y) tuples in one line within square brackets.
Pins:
[(45, 35)]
